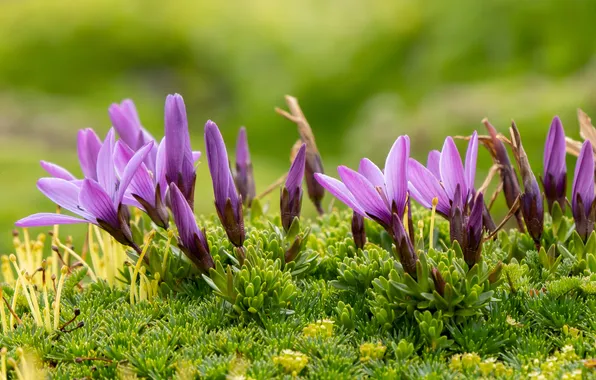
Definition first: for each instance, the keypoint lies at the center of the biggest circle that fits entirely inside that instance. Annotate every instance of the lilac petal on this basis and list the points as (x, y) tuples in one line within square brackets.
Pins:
[(242, 152), (124, 118), (88, 146), (471, 158), (99, 203), (131, 169), (56, 171), (106, 171), (554, 150), (160, 168), (196, 156), (424, 187), (396, 172), (177, 136), (141, 184), (219, 167), (64, 193), (372, 172), (452, 169), (365, 194), (340, 191), (432, 163), (296, 172), (43, 219), (184, 217), (583, 182)]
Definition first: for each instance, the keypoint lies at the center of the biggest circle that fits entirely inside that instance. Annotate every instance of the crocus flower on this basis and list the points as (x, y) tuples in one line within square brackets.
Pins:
[(179, 160), (554, 177), (531, 199), (147, 191), (244, 179), (358, 231), (125, 120), (506, 171), (381, 196), (192, 241), (227, 201), (291, 192), (583, 205), (99, 202)]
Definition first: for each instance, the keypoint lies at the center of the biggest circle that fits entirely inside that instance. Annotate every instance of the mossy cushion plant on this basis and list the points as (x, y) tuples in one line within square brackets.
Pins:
[(416, 281)]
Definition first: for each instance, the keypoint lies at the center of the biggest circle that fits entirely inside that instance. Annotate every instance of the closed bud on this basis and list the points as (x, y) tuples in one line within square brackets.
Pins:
[(358, 230)]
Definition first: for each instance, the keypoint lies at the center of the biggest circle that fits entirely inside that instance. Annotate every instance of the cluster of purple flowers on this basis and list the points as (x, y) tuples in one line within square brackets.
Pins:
[(138, 171)]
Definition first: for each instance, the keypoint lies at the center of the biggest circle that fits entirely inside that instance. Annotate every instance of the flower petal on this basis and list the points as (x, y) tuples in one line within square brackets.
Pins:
[(43, 219), (219, 167), (96, 201), (134, 166), (424, 186), (452, 169), (125, 120), (183, 217), (160, 168), (433, 163), (554, 150), (242, 152), (340, 191), (583, 182), (396, 172), (142, 184), (56, 171), (177, 139), (296, 172), (365, 194), (64, 193), (372, 172), (196, 156), (106, 170), (88, 146), (471, 158)]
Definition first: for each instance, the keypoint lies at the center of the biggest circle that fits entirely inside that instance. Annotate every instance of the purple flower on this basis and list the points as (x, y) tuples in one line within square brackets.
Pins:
[(179, 160), (88, 146), (291, 192), (378, 195), (506, 171), (531, 199), (358, 230), (554, 178), (244, 179), (443, 176), (583, 206), (125, 120), (227, 201), (147, 190), (466, 226), (192, 241), (57, 171), (95, 201)]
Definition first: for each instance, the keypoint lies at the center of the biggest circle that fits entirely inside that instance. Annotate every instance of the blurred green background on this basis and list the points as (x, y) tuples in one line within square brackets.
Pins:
[(364, 72)]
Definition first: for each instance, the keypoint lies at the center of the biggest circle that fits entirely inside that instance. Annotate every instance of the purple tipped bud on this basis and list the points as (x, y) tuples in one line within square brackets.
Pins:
[(316, 192), (554, 177), (506, 171), (191, 240), (582, 201), (531, 199), (403, 245), (291, 192), (358, 231), (439, 281), (227, 201), (244, 179), (466, 225), (179, 157)]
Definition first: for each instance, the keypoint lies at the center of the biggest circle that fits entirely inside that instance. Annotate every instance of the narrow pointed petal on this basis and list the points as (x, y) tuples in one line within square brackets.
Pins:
[(184, 217), (424, 186), (125, 120), (48, 219), (219, 167), (339, 191), (372, 172), (365, 194), (160, 168), (179, 161), (64, 193), (583, 181), (396, 172), (452, 169), (296, 172), (196, 156), (471, 158), (95, 200), (141, 184), (130, 170), (554, 150), (88, 146), (56, 171), (106, 171), (433, 163), (242, 152)]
